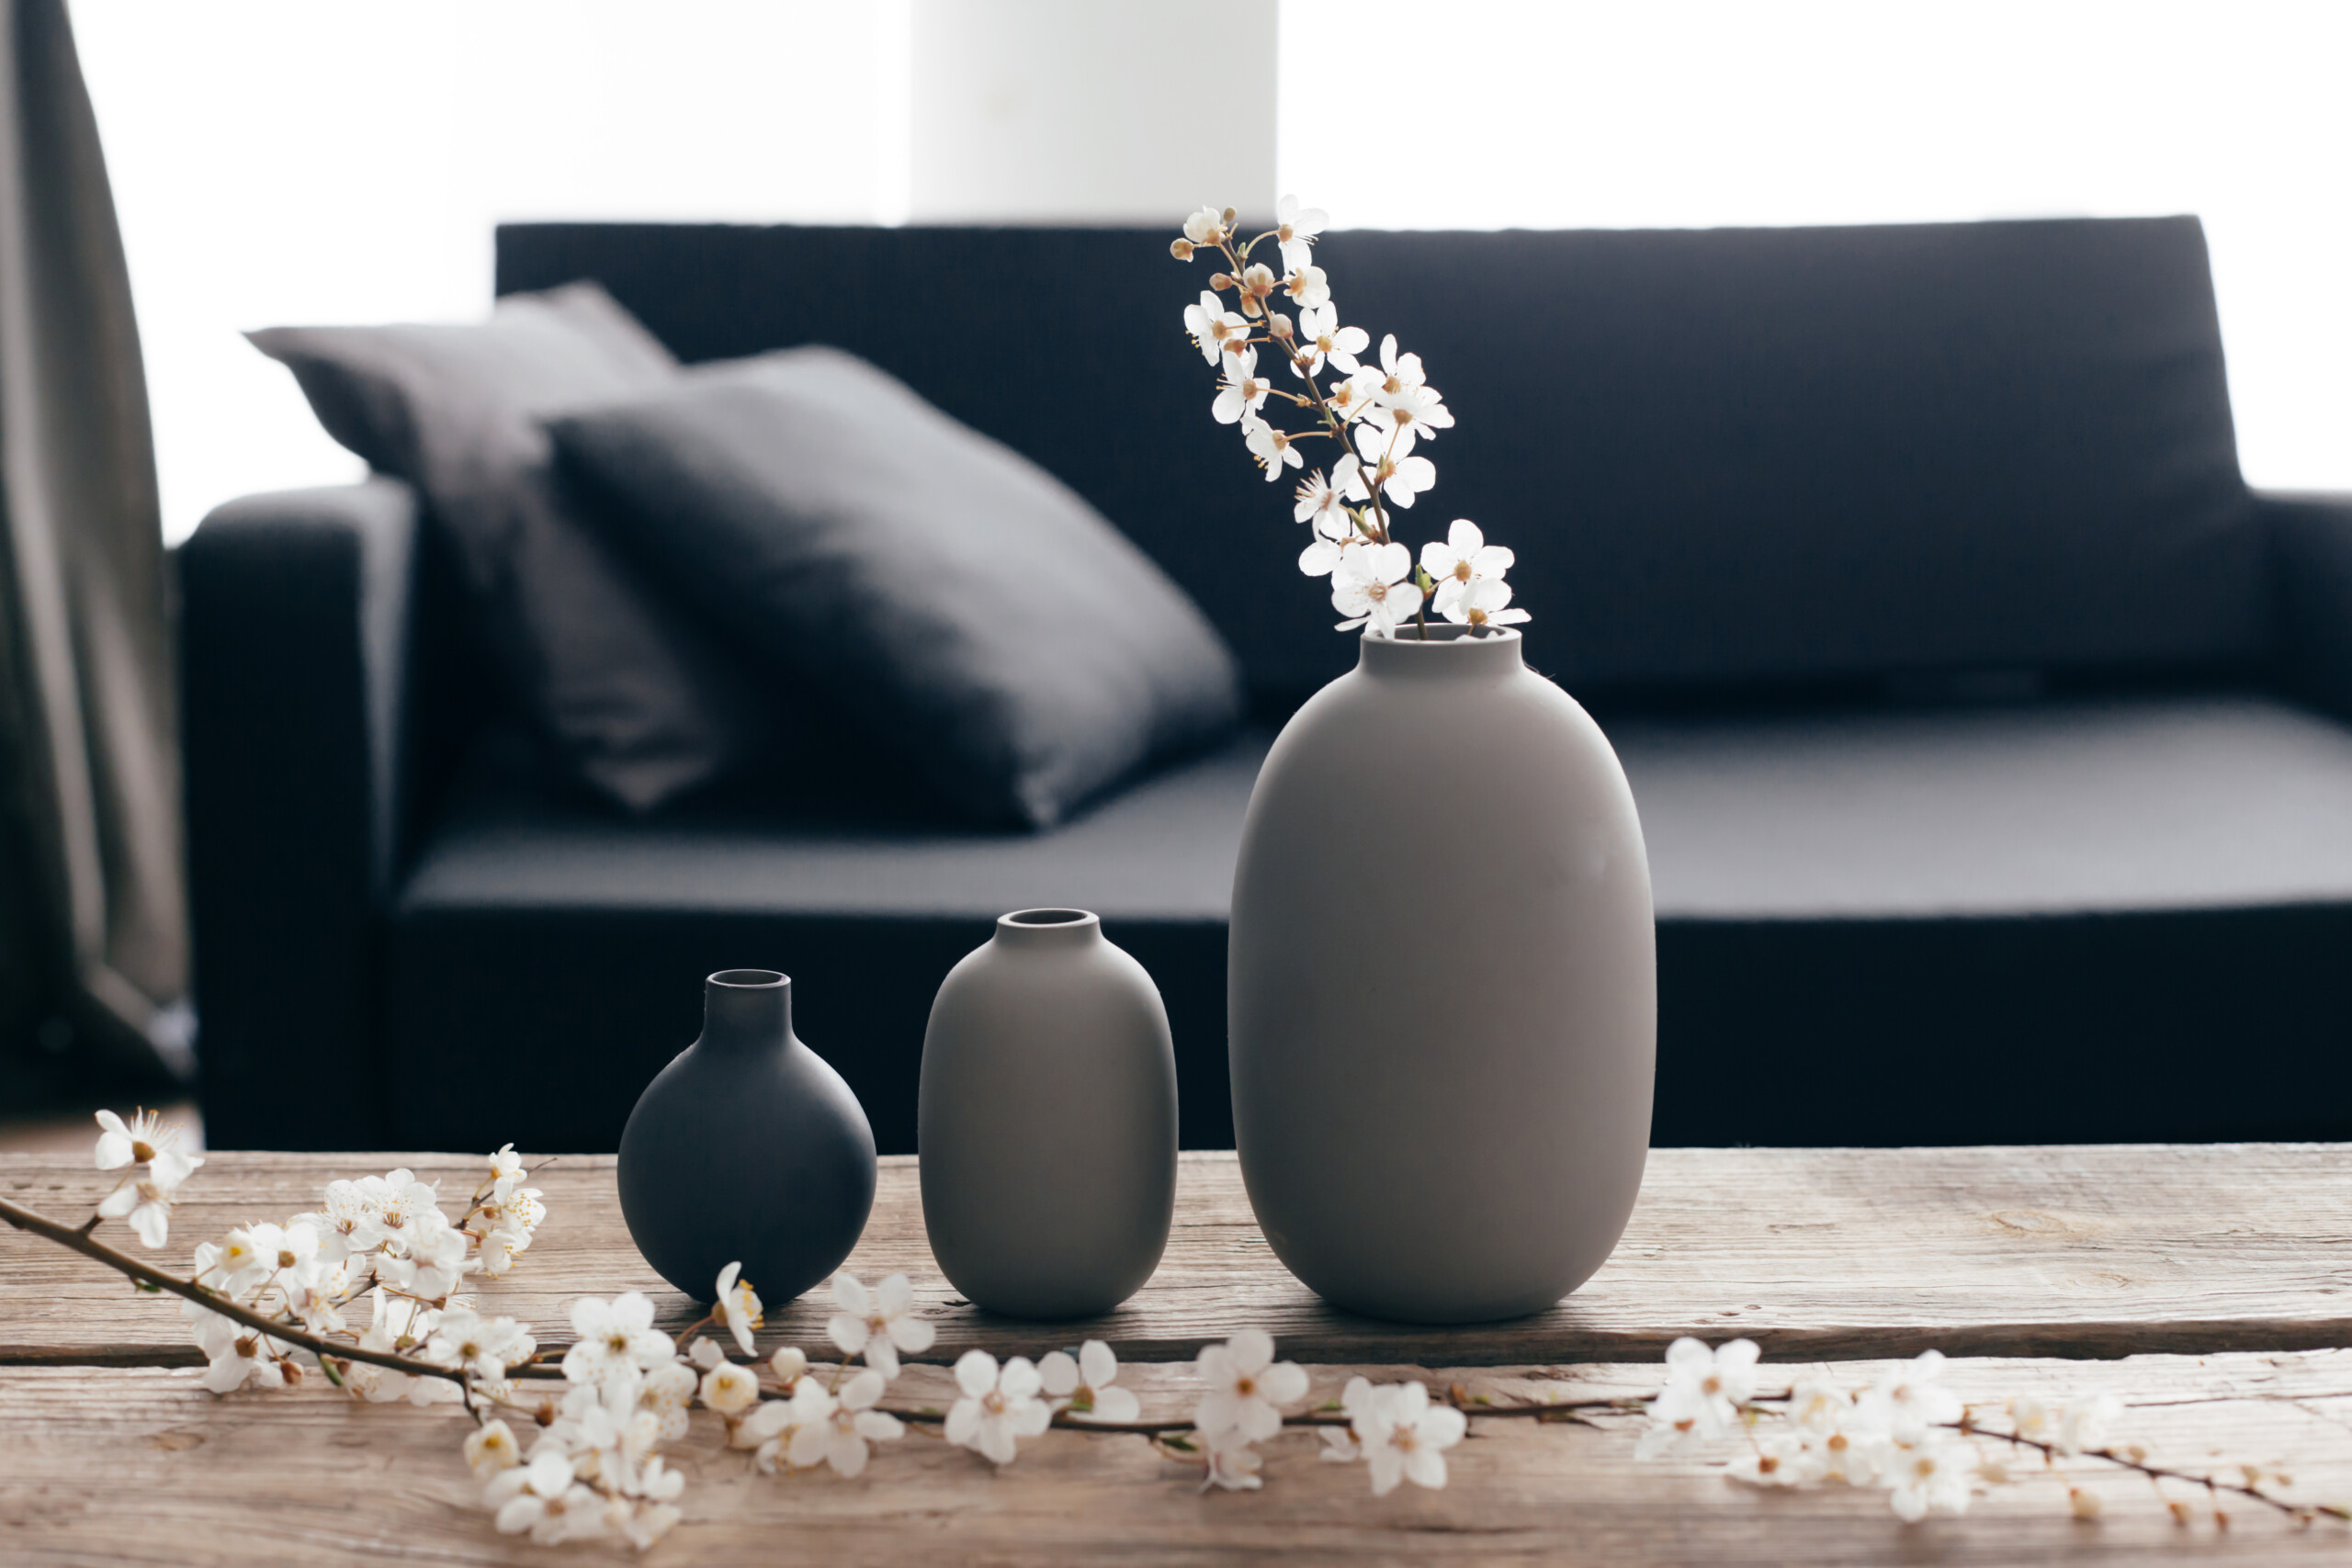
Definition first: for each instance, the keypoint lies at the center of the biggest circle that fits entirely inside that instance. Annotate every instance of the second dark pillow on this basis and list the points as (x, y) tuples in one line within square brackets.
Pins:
[(965, 607)]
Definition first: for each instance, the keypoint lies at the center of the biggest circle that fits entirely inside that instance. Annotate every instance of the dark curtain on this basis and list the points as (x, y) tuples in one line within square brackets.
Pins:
[(93, 953)]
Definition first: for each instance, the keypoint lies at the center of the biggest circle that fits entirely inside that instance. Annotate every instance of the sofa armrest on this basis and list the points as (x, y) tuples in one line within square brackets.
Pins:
[(2312, 538), (295, 612)]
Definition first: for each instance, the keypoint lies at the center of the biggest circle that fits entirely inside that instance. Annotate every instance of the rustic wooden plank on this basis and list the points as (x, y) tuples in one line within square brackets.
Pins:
[(2069, 1251), (141, 1466)]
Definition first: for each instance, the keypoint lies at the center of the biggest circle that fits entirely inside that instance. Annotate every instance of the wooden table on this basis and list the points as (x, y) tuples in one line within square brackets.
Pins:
[(2204, 1286)]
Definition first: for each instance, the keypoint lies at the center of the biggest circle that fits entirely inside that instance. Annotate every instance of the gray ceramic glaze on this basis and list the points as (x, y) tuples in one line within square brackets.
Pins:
[(1047, 1121), (1443, 1008), (747, 1148)]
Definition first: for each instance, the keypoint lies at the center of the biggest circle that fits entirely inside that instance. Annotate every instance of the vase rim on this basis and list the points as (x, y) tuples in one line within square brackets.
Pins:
[(1450, 651), (749, 979), (1048, 926)]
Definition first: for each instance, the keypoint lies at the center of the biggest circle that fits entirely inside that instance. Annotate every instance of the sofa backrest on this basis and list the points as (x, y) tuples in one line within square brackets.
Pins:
[(1723, 456)]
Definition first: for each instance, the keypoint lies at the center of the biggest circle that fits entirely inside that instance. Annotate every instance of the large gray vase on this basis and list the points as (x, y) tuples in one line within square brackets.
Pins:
[(1443, 1007), (1047, 1122), (747, 1148)]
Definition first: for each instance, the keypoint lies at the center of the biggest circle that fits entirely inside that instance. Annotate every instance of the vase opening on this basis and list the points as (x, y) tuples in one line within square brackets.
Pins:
[(1048, 928), (1049, 916), (749, 978)]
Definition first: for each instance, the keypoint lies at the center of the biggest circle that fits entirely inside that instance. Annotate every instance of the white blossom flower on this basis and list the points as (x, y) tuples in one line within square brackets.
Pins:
[(730, 1389), (1206, 227), (498, 1250), (1841, 1443), (1247, 1387), (338, 1217), (543, 1498), (483, 1346), (1389, 464), (789, 1364), (491, 1448), (706, 1353), (643, 1522), (395, 1207), (836, 1430), (433, 1260), (767, 1429), (2082, 1424), (1397, 371), (1274, 449), (1704, 1390), (1317, 498), (1257, 285), (1295, 227), (1464, 559), (1930, 1474), (1405, 1437), (1784, 1459), (1307, 286), (145, 1203), (1353, 400), (144, 1141), (1087, 1382), (666, 1391), (738, 1306), (245, 1260), (999, 1406), (615, 1337), (1482, 604), (1242, 391), (235, 1356), (1909, 1399), (877, 1325), (1215, 330), (1417, 410), (1369, 587), (1233, 1464), (1321, 340)]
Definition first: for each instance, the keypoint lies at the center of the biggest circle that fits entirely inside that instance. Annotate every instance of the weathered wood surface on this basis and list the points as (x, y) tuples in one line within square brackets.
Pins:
[(118, 1465), (2064, 1251)]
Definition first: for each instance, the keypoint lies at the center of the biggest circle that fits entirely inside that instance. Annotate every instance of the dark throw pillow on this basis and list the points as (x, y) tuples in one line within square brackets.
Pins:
[(639, 701), (959, 601)]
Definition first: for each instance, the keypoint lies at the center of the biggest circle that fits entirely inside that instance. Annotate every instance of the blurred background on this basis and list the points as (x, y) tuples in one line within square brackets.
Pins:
[(281, 161)]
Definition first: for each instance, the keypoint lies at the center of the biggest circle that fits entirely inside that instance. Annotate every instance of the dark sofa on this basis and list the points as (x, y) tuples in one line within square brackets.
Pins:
[(1986, 730)]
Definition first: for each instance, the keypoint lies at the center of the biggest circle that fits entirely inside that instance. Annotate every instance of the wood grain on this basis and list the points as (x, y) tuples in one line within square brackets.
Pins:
[(110, 1465), (2066, 1251)]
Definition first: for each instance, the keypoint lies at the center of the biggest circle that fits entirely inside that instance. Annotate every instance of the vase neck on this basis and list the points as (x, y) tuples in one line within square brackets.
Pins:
[(1450, 653), (746, 1010), (1030, 930)]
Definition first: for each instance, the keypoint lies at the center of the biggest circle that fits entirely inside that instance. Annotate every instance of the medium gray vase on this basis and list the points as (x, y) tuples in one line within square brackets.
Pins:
[(1047, 1122), (747, 1148), (1442, 1004)]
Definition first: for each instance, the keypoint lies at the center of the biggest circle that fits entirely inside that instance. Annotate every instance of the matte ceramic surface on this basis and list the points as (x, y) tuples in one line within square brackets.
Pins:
[(747, 1148), (1047, 1122), (1443, 1002)]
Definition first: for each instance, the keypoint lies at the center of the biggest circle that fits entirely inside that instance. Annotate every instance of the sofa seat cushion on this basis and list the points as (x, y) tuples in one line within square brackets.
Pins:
[(2043, 809), (2050, 921)]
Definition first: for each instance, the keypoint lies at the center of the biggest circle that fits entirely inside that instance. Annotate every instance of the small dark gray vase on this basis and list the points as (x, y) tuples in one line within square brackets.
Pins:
[(747, 1148)]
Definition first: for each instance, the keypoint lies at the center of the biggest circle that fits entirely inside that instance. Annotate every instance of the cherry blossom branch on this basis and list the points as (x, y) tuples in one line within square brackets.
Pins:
[(80, 1240)]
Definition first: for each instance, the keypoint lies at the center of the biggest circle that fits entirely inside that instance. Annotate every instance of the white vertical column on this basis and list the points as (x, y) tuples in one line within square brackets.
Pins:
[(1090, 111)]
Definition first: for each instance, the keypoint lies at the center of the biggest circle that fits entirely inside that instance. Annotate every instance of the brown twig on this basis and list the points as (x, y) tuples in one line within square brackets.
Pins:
[(81, 1241)]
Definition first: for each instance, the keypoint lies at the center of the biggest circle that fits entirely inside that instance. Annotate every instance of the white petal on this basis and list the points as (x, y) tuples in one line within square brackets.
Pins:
[(1114, 1405), (975, 1373), (894, 1295), (849, 1293), (1100, 1367), (152, 1224), (1464, 537), (847, 1333), (1283, 1383), (1018, 1380), (114, 1146), (1058, 1374)]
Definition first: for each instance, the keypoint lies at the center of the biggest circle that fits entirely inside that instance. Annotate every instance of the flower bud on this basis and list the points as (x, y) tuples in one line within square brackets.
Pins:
[(1279, 326), (1229, 216), (789, 1365), (1180, 248), (1221, 280)]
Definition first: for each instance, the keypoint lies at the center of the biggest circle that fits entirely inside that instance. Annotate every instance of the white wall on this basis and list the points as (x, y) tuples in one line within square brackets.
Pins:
[(1037, 110), (279, 161), (1673, 113)]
